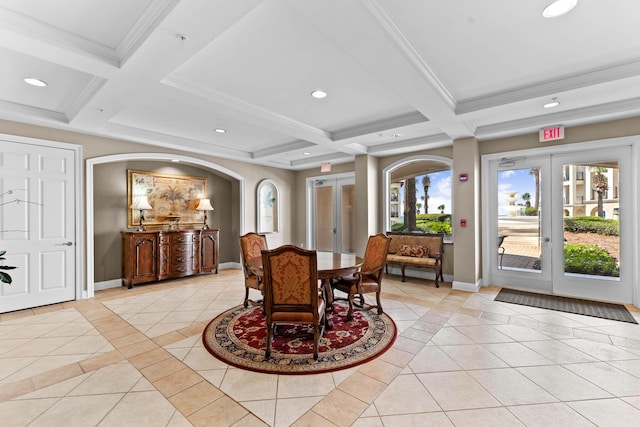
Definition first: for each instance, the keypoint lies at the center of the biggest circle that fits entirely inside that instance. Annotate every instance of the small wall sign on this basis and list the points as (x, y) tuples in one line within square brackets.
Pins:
[(551, 134), (463, 177)]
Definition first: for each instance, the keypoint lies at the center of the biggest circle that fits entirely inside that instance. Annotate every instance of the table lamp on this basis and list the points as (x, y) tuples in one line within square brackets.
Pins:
[(141, 203), (204, 205)]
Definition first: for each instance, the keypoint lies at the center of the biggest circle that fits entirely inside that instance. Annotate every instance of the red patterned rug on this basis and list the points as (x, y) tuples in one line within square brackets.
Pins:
[(238, 337)]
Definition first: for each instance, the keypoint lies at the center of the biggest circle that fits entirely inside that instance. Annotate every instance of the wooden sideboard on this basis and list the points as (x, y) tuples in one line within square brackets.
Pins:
[(148, 256)]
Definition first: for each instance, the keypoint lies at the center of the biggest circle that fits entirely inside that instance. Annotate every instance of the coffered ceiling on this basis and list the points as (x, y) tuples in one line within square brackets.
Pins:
[(400, 75)]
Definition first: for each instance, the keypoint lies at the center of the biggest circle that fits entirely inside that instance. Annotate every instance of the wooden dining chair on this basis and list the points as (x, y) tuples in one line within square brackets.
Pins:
[(291, 292), (369, 277), (251, 246)]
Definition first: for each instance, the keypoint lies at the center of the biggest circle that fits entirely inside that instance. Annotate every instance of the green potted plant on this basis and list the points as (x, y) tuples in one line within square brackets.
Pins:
[(5, 277)]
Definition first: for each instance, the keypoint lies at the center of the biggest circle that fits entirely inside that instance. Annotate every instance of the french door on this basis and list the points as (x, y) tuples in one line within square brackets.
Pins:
[(332, 214), (38, 223), (538, 207)]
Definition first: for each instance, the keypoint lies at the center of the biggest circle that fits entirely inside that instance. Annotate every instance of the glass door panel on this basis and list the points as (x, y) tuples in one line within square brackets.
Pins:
[(520, 255), (594, 261), (325, 228)]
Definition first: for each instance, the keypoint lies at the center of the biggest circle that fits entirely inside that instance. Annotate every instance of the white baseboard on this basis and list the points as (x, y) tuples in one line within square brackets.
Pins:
[(107, 284), (465, 286)]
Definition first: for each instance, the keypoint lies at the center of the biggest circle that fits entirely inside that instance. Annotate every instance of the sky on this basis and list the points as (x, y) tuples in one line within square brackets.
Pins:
[(519, 180)]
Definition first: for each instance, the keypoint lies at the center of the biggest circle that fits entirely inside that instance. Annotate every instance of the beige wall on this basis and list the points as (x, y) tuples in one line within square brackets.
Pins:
[(292, 184), (94, 147)]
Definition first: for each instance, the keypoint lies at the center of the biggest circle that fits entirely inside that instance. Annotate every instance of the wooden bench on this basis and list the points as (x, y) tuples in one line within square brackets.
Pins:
[(417, 241)]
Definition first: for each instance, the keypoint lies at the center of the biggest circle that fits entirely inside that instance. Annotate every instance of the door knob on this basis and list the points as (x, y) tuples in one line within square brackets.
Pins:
[(66, 244), (546, 240)]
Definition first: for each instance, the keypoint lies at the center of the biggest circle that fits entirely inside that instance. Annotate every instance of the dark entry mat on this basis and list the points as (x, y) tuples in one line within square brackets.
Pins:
[(568, 305)]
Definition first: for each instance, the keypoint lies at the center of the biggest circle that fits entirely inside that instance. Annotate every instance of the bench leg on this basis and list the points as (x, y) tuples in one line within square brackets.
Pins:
[(402, 267)]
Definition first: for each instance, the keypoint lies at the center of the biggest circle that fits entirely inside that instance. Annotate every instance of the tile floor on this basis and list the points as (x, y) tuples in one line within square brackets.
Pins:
[(134, 357)]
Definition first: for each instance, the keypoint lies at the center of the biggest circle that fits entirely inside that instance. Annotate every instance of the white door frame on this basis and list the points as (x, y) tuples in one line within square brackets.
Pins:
[(633, 201), (77, 208), (310, 242)]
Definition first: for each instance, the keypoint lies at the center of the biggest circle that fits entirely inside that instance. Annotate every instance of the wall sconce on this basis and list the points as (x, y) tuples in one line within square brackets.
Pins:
[(204, 205), (141, 203)]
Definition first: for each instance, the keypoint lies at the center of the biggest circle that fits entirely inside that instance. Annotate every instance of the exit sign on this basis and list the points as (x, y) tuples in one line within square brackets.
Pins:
[(551, 134)]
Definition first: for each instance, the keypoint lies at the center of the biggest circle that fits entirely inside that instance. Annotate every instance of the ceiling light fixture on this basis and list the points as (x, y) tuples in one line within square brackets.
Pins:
[(307, 153), (558, 8), (35, 82), (220, 130), (554, 103), (319, 94)]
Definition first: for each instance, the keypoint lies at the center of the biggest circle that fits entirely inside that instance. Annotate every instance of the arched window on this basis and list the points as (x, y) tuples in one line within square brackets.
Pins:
[(417, 195)]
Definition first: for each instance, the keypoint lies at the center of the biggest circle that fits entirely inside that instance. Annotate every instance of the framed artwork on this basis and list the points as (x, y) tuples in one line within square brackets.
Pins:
[(267, 203), (173, 198)]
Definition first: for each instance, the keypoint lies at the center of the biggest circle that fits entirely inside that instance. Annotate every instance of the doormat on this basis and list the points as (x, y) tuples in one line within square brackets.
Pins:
[(602, 310), (238, 337)]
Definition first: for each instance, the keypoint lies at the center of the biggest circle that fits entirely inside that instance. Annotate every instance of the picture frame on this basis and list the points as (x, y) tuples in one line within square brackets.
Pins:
[(267, 203), (174, 198)]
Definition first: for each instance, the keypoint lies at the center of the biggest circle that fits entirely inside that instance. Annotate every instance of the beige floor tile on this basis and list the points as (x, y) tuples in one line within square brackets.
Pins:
[(510, 387), (85, 345), (450, 336), (54, 376), (312, 419), (630, 366), (433, 359), (265, 410), (340, 408), (559, 352), (484, 417), (222, 412), (368, 422), (44, 365), (244, 385), (380, 370), (562, 383), (162, 369), (516, 354), (178, 420), (9, 366), (483, 334), (118, 378), (634, 401), (397, 357), (177, 382), (549, 414), (290, 386), (521, 333), (362, 387), (22, 412), (601, 351), (196, 397), (85, 410), (432, 419), (101, 360), (38, 347), (607, 377), (607, 412), (408, 344), (137, 409), (405, 395), (473, 357), (457, 390)]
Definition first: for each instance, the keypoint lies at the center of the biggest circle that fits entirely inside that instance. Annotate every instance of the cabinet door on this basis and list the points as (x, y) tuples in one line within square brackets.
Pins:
[(144, 258), (209, 251)]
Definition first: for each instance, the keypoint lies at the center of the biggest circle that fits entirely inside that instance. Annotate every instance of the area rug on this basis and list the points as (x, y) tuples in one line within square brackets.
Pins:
[(568, 305), (238, 338)]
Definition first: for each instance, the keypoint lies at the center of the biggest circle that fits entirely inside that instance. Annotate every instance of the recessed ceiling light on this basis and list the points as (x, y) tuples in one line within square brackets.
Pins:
[(306, 153), (35, 82), (397, 135), (559, 8), (554, 103), (175, 160), (319, 94), (220, 130)]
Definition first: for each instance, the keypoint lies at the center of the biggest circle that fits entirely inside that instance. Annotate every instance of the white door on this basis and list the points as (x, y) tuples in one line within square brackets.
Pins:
[(37, 224), (333, 217), (533, 202)]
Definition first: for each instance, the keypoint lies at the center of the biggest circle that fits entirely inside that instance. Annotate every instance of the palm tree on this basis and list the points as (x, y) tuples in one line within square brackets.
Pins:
[(441, 209), (536, 176), (426, 182), (526, 197), (410, 204), (599, 184)]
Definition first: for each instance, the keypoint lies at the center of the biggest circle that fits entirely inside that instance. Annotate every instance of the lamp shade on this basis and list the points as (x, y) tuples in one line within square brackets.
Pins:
[(204, 205), (141, 202)]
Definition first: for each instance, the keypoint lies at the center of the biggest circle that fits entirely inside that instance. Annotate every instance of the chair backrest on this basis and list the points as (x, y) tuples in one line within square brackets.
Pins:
[(251, 246), (375, 255), (290, 277)]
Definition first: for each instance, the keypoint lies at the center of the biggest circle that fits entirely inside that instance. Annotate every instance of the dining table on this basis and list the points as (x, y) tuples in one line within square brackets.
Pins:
[(330, 265)]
